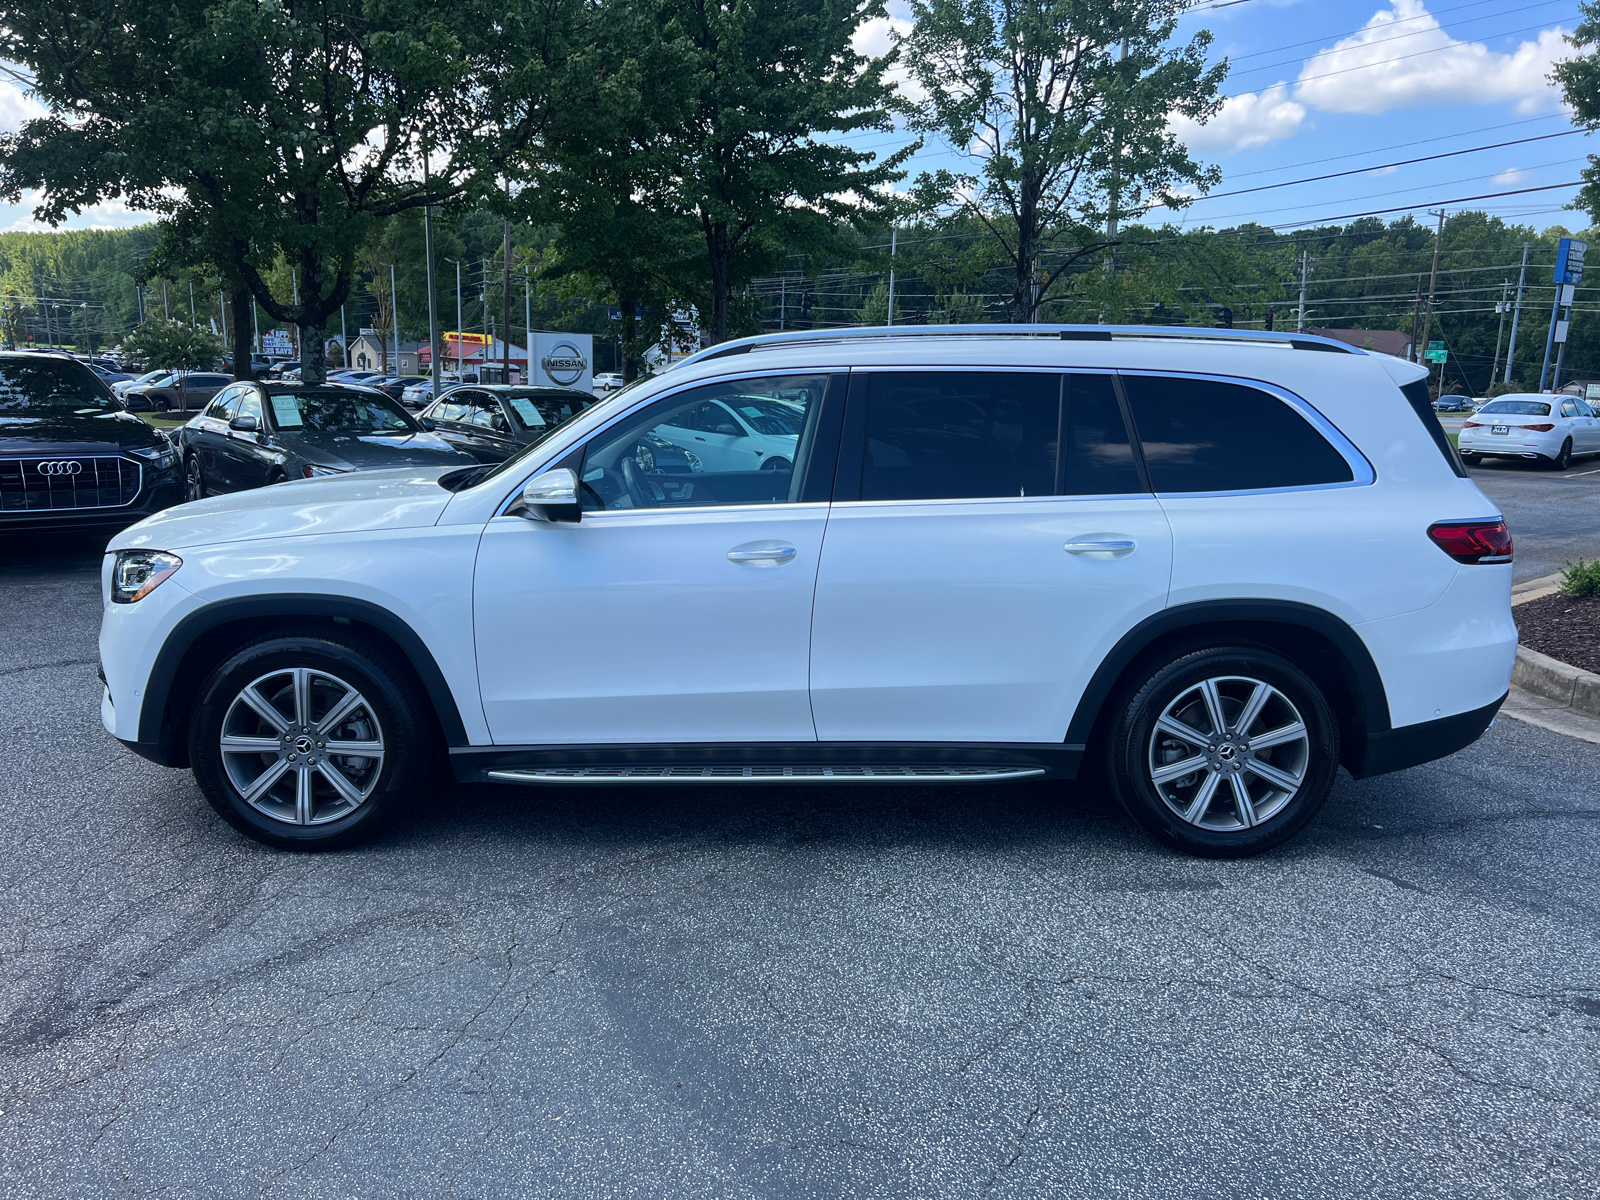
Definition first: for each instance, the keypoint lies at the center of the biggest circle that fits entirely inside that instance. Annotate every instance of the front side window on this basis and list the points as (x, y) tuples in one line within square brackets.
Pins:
[(1205, 435), (220, 403), (663, 457), (249, 405)]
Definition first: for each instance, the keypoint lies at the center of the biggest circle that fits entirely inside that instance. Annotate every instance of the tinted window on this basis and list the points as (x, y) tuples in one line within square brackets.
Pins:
[(1569, 408), (1202, 435), (935, 435), (1097, 457), (1518, 408), (223, 401), (660, 458), (249, 405), (340, 411), (39, 384)]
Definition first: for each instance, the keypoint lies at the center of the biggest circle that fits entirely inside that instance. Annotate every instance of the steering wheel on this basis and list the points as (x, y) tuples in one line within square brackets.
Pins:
[(638, 489)]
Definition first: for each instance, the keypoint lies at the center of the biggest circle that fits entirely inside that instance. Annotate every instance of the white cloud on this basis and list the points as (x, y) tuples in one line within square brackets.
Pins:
[(1511, 175), (1378, 70), (16, 105), (1245, 121), (876, 38)]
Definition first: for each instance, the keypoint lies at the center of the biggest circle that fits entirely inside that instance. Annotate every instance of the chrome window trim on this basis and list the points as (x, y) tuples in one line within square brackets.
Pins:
[(1360, 468), (664, 394), (1074, 498)]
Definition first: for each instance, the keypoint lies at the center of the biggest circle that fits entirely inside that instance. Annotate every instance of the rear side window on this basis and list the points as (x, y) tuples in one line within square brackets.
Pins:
[(1202, 435), (1096, 455), (947, 435), (1416, 395)]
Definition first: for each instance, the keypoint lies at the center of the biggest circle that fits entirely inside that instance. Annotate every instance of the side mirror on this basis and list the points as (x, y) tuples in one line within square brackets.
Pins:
[(243, 424), (427, 423), (552, 496), (137, 403)]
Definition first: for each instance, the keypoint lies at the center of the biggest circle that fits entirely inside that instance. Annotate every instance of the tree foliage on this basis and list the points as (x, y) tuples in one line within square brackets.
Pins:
[(163, 344), (1063, 107)]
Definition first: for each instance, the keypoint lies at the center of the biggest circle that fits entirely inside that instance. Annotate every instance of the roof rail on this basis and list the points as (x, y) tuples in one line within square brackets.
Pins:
[(1065, 333)]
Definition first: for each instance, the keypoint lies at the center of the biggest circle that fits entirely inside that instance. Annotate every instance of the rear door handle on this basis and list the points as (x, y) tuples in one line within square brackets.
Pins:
[(1112, 547), (763, 554)]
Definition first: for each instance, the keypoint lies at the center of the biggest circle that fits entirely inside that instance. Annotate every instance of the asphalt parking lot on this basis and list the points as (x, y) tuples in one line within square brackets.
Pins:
[(765, 992), (1553, 516)]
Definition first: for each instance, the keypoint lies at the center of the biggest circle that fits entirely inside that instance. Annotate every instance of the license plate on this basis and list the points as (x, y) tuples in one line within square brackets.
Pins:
[(1499, 429)]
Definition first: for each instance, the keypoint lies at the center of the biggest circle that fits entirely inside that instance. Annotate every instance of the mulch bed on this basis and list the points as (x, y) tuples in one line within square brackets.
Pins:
[(1564, 627)]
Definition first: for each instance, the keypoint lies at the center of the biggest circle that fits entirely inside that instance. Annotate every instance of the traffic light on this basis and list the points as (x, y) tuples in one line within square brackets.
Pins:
[(1269, 319)]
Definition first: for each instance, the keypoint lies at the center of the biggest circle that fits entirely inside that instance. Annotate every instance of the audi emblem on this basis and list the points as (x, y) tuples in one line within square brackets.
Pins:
[(60, 466)]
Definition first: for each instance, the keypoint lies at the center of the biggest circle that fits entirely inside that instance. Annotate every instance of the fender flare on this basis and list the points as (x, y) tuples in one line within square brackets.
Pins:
[(155, 730), (1363, 672)]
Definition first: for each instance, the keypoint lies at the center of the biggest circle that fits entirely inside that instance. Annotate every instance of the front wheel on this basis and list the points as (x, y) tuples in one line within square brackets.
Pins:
[(309, 740), (777, 464), (1224, 752), (194, 479)]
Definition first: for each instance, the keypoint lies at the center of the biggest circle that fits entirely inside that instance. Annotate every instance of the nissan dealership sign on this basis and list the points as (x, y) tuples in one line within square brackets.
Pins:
[(563, 360)]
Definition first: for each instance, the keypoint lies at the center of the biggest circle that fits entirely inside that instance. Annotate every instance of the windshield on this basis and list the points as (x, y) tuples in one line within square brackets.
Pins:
[(339, 412), (1517, 408), (549, 407), (777, 418), (35, 386)]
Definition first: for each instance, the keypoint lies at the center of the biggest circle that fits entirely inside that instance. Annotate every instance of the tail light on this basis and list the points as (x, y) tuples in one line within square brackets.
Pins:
[(1473, 541), (1545, 428), (1471, 424)]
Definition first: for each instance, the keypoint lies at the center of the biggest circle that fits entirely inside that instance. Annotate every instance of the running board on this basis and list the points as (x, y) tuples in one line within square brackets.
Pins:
[(691, 773)]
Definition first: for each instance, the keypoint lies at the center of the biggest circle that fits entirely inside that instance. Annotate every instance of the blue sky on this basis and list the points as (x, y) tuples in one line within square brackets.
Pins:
[(1319, 86)]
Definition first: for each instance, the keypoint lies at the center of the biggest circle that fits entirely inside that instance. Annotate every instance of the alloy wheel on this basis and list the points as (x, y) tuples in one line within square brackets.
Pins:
[(1229, 753), (302, 746)]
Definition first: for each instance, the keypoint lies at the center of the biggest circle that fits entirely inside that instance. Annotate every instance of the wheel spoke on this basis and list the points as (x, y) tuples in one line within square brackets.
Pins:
[(1277, 737), (1181, 731), (339, 711), (302, 795), (258, 703), (1196, 812), (1174, 770), (343, 786), (248, 745), (1252, 709), (302, 696), (265, 780), (1208, 690), (1241, 797), (356, 749), (1277, 778)]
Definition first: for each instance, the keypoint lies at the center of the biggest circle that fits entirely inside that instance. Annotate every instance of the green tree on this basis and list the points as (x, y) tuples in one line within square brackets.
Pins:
[(278, 132), (1064, 108), (163, 344), (747, 166)]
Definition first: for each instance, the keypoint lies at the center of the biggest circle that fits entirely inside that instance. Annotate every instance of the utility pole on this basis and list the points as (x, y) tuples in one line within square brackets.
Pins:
[(294, 284), (1516, 313), (394, 311), (783, 299), (166, 310), (344, 341), (458, 317), (1416, 319), (222, 313), (138, 291), (1433, 286), (1110, 267), (1505, 290), (191, 302), (505, 301), (894, 242), (1305, 270), (433, 287), (255, 324), (527, 322), (488, 338)]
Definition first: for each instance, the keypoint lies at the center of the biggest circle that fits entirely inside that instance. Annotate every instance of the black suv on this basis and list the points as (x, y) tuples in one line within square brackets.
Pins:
[(70, 456)]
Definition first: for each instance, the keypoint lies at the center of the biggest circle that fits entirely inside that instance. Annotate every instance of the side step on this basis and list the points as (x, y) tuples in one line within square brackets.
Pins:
[(763, 774)]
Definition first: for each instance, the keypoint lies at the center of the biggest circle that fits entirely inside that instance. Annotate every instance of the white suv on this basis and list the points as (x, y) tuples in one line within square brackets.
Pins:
[(1221, 565)]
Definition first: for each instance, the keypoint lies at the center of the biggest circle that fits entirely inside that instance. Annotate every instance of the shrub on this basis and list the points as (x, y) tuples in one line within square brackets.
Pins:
[(1581, 578)]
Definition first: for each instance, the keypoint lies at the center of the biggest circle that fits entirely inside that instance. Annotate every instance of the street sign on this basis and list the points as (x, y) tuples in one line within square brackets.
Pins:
[(1569, 260), (1435, 346), (1437, 356)]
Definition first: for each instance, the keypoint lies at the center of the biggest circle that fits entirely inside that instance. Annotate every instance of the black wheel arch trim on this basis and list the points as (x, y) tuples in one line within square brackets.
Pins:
[(160, 742), (1363, 672)]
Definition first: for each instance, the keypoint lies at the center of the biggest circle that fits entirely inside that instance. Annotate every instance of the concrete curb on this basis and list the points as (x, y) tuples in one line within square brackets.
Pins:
[(1554, 680)]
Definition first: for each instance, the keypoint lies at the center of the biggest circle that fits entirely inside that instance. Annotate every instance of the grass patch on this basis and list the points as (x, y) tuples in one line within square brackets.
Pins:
[(1581, 578)]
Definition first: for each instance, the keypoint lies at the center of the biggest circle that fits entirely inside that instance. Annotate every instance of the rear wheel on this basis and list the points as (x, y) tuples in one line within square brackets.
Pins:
[(1563, 460), (310, 741), (1224, 751), (1471, 460)]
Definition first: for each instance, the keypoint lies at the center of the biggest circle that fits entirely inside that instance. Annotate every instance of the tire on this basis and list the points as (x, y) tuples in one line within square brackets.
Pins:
[(194, 479), (1219, 824), (1472, 460), (777, 464), (1563, 460), (338, 800)]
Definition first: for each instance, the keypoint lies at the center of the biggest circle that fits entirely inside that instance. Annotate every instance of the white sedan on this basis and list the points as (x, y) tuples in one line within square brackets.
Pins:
[(1544, 427), (738, 433)]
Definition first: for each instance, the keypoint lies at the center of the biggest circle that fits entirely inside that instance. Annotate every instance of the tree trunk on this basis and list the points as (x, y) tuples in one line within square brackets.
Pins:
[(313, 351), (243, 337), (721, 255)]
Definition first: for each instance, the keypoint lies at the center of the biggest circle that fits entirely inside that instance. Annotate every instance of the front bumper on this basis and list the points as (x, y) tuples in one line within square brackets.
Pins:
[(162, 490)]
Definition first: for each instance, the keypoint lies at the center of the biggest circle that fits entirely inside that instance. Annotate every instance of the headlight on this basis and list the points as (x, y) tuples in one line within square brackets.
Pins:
[(312, 470), (162, 456), (137, 573)]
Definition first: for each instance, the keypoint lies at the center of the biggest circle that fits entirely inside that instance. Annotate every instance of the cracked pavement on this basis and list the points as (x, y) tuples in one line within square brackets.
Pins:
[(884, 992)]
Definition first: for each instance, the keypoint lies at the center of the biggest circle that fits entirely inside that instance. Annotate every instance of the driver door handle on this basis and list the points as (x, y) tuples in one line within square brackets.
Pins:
[(769, 554), (1115, 547)]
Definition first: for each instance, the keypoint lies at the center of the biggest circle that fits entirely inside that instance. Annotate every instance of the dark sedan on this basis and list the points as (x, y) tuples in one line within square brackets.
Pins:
[(183, 391), (70, 456), (491, 422), (254, 434)]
